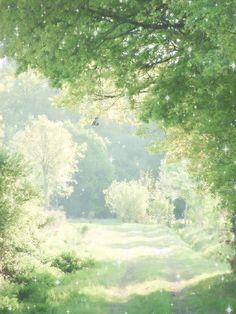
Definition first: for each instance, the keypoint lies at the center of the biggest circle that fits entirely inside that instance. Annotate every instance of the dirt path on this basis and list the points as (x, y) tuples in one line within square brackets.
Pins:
[(153, 267), (118, 308), (176, 289)]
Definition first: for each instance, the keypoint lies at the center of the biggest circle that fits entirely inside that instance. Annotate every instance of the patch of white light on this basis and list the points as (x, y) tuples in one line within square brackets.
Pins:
[(233, 66), (226, 149), (178, 276), (3, 62), (229, 309), (111, 159)]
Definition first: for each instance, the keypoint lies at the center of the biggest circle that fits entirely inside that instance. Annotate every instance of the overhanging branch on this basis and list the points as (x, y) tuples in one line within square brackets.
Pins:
[(98, 13)]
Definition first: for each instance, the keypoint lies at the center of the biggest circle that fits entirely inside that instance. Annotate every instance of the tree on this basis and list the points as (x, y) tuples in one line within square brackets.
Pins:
[(109, 147), (52, 155), (24, 97), (95, 174), (96, 102), (123, 143), (179, 55)]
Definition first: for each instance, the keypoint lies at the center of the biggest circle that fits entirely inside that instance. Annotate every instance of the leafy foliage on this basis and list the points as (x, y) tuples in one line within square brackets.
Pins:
[(18, 224), (203, 208), (179, 55), (173, 61), (69, 262), (24, 97), (127, 200), (95, 174), (52, 154), (160, 208), (175, 181), (125, 142), (15, 190), (109, 147), (102, 101)]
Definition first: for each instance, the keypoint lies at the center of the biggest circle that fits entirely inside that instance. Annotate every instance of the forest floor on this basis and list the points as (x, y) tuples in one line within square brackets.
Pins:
[(145, 269)]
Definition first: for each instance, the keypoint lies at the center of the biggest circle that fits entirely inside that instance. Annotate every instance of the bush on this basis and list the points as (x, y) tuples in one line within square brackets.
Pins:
[(160, 209), (8, 304), (68, 262), (128, 200), (8, 297)]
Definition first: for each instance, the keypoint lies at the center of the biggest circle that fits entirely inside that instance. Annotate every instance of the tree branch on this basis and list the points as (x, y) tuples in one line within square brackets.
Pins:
[(107, 96), (98, 13), (154, 63)]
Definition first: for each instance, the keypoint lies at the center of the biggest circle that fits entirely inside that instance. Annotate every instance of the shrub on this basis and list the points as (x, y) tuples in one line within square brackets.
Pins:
[(68, 262), (161, 210), (8, 297), (8, 304), (84, 230), (128, 200)]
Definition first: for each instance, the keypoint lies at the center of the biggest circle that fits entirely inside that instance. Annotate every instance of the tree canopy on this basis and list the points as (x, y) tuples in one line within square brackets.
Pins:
[(178, 57)]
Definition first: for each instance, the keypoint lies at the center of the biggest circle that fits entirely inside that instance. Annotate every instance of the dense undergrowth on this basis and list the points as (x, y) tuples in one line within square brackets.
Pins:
[(26, 283)]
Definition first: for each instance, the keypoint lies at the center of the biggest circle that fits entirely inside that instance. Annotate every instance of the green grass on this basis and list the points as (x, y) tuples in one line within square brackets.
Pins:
[(212, 295), (139, 269), (208, 243)]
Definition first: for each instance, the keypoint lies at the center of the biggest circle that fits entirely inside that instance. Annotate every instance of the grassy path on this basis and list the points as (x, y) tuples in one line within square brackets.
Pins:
[(144, 269)]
